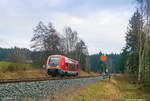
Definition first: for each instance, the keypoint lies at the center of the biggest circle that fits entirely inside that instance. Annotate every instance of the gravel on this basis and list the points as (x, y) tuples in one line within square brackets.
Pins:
[(39, 90)]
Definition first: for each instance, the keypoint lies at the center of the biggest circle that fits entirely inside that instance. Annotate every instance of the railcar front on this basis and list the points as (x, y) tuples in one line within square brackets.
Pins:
[(54, 65)]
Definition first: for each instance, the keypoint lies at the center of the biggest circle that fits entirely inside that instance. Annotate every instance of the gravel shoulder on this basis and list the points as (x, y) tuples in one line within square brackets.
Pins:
[(39, 90)]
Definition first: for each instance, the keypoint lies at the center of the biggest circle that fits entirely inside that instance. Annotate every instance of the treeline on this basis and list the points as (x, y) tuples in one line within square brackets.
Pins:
[(111, 63), (4, 53), (17, 55), (135, 56)]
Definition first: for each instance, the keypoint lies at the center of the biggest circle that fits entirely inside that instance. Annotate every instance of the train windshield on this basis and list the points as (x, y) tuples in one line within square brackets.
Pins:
[(54, 61)]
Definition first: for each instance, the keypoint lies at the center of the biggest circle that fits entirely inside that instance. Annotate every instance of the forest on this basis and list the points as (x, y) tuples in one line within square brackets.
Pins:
[(135, 56), (112, 63)]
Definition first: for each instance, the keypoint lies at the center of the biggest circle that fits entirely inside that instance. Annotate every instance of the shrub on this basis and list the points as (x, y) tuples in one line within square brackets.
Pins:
[(11, 67), (15, 67)]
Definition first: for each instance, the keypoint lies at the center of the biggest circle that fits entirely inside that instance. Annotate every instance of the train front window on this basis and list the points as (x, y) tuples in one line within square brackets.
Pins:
[(54, 61)]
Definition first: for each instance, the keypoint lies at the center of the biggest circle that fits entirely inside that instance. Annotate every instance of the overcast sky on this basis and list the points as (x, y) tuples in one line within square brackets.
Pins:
[(100, 23)]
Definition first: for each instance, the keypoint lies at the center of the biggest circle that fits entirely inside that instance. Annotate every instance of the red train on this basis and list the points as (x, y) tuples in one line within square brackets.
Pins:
[(61, 65)]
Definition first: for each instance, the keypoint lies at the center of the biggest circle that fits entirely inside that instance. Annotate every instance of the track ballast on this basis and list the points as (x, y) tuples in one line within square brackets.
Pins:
[(4, 81)]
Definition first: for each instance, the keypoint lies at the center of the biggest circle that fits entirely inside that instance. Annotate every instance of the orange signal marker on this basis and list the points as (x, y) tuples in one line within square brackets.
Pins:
[(103, 58)]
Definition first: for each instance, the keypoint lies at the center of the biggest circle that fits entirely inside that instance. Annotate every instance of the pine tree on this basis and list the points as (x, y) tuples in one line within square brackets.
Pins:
[(134, 41)]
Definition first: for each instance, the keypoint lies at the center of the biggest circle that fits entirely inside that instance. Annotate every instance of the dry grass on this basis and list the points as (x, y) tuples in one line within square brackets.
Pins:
[(117, 89), (32, 73), (82, 73), (130, 90), (10, 70), (100, 91), (113, 93), (28, 73)]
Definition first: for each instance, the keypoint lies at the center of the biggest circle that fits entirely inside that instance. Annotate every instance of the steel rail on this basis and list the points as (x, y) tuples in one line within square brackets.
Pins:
[(5, 81)]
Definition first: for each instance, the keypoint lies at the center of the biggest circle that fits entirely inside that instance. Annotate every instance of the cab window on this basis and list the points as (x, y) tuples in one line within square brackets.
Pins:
[(54, 61)]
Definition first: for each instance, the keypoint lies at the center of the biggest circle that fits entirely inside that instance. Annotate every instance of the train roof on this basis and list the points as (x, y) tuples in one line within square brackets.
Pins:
[(68, 60)]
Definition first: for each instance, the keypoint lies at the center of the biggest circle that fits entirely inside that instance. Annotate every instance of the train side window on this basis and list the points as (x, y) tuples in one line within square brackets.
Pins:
[(67, 65), (72, 67), (77, 66)]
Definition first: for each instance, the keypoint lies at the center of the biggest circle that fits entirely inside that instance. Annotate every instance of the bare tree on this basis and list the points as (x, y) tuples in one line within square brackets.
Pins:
[(82, 55), (144, 63), (18, 55), (71, 39), (109, 65), (46, 40)]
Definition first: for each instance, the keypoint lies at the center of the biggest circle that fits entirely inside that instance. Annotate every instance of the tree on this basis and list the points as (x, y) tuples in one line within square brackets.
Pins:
[(46, 40), (134, 41), (76, 48), (18, 55), (82, 54), (113, 61), (123, 60), (144, 73), (109, 65), (4, 53), (99, 66), (137, 49), (71, 40)]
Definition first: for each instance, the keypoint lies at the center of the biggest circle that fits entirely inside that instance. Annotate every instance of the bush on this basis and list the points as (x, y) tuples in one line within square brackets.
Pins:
[(12, 67), (15, 67)]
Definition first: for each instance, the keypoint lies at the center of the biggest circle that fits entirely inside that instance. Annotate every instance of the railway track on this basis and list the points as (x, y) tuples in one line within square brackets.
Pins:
[(5, 81)]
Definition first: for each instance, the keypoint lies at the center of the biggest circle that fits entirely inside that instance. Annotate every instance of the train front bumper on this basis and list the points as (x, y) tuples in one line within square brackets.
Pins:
[(56, 71)]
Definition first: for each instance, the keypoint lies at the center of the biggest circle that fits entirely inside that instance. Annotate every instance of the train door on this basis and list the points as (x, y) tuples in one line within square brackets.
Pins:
[(72, 67), (77, 67), (67, 66), (63, 64)]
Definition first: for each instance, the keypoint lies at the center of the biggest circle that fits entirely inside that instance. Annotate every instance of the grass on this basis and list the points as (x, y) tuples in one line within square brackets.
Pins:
[(10, 70), (13, 67), (82, 73), (130, 90), (28, 73), (4, 64), (117, 89)]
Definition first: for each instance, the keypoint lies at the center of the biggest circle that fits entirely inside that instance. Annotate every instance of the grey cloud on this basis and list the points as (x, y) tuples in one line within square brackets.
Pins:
[(100, 26)]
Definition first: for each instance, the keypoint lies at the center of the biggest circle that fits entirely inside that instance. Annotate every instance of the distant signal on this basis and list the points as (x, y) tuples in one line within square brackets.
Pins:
[(103, 58)]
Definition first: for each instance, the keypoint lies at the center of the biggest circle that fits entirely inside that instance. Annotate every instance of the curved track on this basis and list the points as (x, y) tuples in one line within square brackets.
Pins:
[(4, 81)]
